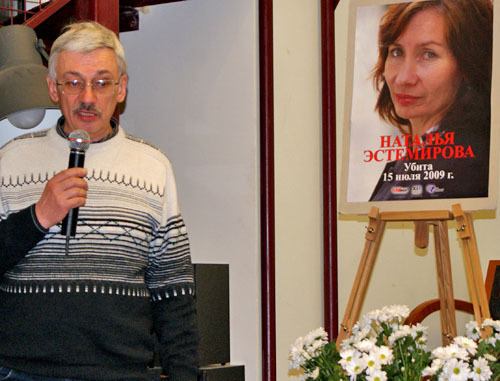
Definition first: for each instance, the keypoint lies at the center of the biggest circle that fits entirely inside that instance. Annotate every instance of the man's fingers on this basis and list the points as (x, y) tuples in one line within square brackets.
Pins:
[(73, 182), (75, 196), (70, 172), (65, 191)]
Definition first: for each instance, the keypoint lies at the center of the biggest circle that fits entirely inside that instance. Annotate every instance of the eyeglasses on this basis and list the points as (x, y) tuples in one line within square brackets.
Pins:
[(76, 86)]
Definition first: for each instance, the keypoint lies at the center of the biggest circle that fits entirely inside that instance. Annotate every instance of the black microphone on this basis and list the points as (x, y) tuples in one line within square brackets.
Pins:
[(79, 142)]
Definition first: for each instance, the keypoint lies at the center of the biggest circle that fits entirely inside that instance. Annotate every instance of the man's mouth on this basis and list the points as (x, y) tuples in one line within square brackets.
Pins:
[(86, 110), (85, 113)]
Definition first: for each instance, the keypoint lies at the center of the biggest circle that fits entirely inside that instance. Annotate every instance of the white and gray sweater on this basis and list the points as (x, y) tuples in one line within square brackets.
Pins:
[(90, 314)]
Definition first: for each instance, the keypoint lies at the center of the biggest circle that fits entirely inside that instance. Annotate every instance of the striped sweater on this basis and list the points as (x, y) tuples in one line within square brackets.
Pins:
[(90, 313)]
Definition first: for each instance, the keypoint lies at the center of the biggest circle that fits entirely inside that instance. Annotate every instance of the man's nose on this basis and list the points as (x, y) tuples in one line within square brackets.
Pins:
[(88, 95)]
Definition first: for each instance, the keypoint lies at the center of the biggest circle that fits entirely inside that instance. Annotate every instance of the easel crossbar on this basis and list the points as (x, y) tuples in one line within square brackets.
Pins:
[(425, 215)]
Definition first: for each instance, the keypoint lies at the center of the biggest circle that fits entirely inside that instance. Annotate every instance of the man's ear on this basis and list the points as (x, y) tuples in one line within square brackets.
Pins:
[(52, 89), (122, 88)]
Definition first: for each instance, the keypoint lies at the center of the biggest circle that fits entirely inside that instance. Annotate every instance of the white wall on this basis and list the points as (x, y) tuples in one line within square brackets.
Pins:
[(8, 131), (297, 79), (193, 93)]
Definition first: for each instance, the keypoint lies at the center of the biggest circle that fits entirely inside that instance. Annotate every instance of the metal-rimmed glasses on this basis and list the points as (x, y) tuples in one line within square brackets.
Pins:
[(76, 86)]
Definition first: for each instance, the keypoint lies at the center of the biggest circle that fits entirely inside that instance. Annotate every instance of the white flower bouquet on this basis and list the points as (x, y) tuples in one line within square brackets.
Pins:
[(382, 348), (469, 357), (315, 356)]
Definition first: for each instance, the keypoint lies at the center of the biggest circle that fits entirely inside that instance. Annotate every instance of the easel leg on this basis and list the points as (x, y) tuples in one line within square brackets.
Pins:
[(445, 282), (373, 237), (472, 266), (477, 282)]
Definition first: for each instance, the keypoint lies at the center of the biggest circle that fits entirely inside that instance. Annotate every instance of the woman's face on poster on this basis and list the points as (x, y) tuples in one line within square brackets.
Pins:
[(421, 71)]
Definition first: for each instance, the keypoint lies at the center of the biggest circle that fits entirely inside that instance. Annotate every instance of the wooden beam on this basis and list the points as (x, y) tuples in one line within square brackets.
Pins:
[(330, 261), (145, 3), (268, 292), (45, 12), (105, 12)]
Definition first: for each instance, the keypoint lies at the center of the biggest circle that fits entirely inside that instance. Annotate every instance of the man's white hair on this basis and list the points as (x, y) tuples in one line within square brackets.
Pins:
[(84, 37)]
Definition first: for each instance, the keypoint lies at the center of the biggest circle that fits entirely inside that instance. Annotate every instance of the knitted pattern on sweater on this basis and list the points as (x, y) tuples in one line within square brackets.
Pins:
[(130, 244), (129, 235)]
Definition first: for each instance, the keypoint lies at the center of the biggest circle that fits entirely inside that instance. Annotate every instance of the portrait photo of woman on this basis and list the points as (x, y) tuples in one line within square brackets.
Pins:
[(432, 93)]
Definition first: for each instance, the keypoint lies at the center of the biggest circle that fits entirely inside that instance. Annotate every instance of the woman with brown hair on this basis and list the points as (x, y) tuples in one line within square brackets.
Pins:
[(433, 78)]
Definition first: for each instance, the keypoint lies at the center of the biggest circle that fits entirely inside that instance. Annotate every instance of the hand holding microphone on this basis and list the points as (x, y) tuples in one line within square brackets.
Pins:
[(67, 190), (79, 142)]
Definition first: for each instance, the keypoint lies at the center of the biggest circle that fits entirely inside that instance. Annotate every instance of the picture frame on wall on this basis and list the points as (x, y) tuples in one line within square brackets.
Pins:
[(417, 118)]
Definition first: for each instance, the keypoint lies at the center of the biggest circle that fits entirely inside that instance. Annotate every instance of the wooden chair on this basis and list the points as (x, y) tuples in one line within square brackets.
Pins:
[(492, 286)]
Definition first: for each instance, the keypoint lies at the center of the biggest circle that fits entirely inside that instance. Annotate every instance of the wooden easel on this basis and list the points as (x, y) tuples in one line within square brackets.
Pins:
[(422, 221)]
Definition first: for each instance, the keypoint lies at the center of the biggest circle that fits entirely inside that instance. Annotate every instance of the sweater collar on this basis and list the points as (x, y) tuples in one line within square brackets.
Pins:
[(114, 129)]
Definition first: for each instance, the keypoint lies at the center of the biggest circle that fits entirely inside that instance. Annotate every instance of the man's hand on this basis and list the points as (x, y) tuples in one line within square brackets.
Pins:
[(65, 191)]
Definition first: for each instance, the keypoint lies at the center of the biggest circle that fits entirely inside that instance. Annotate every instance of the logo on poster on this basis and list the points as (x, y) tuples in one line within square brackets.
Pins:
[(417, 190), (400, 190), (431, 189)]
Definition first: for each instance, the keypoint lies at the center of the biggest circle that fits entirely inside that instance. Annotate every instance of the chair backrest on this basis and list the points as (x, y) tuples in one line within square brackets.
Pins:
[(492, 285)]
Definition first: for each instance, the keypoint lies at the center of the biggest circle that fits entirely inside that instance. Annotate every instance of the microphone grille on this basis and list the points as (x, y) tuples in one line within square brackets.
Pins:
[(79, 140)]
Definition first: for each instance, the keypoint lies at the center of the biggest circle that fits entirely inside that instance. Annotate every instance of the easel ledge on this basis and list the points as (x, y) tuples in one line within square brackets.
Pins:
[(424, 215), (423, 219)]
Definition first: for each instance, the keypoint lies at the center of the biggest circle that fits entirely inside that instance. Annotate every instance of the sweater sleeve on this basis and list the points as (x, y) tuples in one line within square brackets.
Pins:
[(19, 233), (177, 330), (170, 280), (170, 272)]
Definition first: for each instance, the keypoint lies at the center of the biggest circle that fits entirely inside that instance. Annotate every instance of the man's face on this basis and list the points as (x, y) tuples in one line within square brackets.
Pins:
[(89, 110)]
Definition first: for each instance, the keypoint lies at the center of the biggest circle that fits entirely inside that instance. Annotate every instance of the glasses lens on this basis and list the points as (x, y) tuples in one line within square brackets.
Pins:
[(72, 87), (103, 86), (100, 86)]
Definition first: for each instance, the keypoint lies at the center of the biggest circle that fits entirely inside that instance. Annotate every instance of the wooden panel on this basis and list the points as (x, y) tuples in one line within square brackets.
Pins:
[(330, 267), (492, 282), (105, 12), (143, 3), (267, 190)]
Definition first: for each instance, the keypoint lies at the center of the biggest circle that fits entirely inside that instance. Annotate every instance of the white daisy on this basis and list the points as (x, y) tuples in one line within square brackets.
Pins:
[(456, 370), (495, 324), (404, 331), (431, 370), (493, 339), (296, 354), (451, 351), (489, 357), (371, 362), (472, 330), (315, 346), (398, 311), (466, 343), (480, 370), (378, 375), (365, 345), (348, 356), (384, 354), (312, 337), (354, 367)]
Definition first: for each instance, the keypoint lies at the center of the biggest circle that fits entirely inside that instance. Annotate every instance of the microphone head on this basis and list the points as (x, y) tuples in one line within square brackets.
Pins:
[(79, 140)]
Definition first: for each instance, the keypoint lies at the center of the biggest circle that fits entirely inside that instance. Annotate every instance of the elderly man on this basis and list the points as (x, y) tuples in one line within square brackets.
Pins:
[(90, 313)]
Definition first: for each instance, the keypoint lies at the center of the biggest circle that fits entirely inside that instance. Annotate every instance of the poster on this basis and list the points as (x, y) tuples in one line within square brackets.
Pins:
[(417, 122)]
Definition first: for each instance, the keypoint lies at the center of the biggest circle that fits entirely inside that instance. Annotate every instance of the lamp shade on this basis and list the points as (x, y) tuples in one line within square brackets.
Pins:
[(22, 75)]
